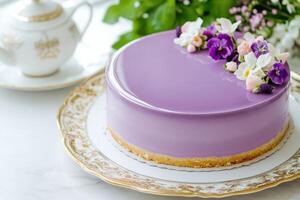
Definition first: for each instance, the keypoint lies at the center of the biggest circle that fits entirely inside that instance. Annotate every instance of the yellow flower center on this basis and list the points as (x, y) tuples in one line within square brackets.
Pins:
[(247, 72)]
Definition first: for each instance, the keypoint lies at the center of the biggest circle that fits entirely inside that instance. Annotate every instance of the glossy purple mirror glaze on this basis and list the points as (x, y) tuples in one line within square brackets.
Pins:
[(164, 75)]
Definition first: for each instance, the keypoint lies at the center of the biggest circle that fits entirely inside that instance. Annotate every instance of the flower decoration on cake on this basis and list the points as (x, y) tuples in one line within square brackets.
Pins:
[(250, 58)]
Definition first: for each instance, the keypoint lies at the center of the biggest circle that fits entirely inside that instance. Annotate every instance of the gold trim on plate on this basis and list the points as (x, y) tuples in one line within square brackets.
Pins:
[(71, 120)]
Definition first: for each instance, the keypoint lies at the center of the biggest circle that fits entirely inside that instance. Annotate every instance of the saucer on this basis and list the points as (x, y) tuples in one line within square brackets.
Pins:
[(82, 123), (84, 64)]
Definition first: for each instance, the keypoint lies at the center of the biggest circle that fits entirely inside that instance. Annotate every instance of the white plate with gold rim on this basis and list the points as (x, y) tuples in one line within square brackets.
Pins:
[(82, 124), (84, 64)]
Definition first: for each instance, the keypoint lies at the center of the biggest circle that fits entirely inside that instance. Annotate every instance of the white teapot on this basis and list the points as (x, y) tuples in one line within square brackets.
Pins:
[(39, 36)]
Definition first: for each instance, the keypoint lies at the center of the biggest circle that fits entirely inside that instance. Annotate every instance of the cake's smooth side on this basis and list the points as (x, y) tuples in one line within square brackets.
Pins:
[(203, 162), (188, 136)]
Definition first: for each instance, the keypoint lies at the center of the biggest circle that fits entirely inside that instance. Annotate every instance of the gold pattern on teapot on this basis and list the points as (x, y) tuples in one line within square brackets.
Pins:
[(11, 41), (47, 48)]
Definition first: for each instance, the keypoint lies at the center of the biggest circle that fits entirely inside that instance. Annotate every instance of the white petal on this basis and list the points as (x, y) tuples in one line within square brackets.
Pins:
[(224, 22), (250, 59), (263, 60), (194, 27), (183, 40), (219, 28), (249, 37), (199, 22), (225, 25), (239, 73), (253, 82), (234, 26), (258, 72)]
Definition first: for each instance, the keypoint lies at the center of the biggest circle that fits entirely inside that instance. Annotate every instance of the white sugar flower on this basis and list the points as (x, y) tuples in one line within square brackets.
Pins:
[(184, 39), (253, 82), (231, 66), (258, 72), (225, 26), (195, 27), (245, 68), (253, 65), (243, 71), (189, 30), (263, 61)]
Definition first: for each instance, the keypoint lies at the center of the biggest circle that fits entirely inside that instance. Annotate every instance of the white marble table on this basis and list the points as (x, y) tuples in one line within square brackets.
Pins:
[(34, 165)]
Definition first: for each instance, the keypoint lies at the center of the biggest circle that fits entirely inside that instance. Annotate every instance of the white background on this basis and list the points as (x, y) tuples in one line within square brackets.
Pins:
[(33, 163)]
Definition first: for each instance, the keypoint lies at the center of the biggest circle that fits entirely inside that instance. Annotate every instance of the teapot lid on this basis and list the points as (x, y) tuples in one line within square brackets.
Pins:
[(35, 14), (37, 11)]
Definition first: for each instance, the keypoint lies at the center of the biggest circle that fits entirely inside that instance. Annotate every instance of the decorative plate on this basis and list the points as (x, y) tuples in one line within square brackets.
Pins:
[(81, 121)]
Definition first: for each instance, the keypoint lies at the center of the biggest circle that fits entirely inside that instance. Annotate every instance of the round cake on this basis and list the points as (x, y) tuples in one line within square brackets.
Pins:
[(173, 107)]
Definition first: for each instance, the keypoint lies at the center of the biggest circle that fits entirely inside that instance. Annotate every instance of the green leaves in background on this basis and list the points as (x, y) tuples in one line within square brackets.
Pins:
[(129, 9), (150, 16), (125, 38), (220, 8), (162, 18)]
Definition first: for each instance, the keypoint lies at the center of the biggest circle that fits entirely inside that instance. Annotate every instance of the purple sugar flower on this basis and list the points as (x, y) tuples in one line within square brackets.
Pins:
[(178, 31), (210, 31), (259, 48), (265, 89), (234, 57), (220, 47), (278, 74)]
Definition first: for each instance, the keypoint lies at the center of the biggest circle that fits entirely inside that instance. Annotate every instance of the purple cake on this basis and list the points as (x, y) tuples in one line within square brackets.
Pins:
[(177, 108)]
